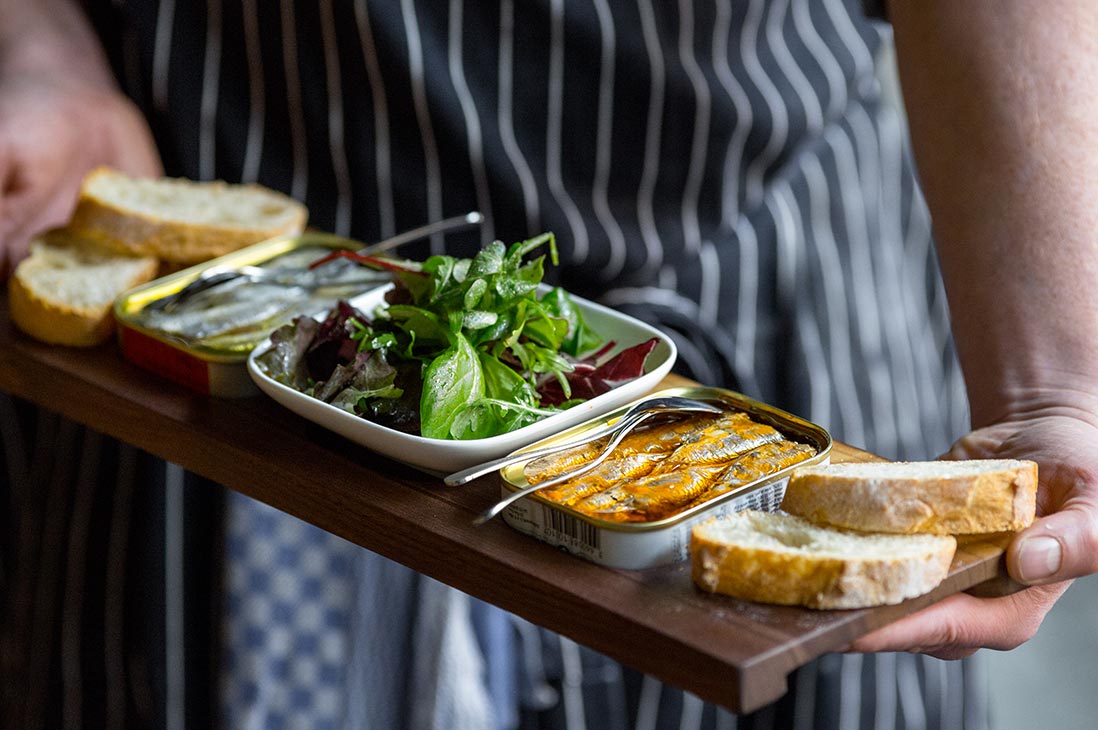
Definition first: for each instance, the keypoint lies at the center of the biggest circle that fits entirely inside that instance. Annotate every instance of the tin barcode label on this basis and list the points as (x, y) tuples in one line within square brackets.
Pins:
[(767, 499), (582, 534)]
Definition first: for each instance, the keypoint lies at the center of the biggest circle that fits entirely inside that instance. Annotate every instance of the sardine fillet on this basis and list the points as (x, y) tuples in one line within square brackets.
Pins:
[(602, 477), (660, 438), (636, 499), (756, 464), (723, 446)]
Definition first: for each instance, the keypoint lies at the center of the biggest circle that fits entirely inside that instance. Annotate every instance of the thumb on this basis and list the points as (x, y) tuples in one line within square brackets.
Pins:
[(1058, 547)]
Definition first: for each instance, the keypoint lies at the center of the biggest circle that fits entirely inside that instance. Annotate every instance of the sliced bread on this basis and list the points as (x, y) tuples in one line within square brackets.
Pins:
[(937, 497), (63, 292), (181, 221), (773, 557)]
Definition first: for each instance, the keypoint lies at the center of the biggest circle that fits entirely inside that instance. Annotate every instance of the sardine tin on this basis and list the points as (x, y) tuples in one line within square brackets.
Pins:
[(206, 370), (638, 545)]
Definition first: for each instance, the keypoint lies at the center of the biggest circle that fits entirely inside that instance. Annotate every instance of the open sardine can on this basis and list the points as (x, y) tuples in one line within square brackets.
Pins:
[(202, 346), (608, 525)]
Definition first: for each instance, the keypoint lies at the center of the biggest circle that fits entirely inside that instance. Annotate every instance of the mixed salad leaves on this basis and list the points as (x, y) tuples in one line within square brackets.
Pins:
[(463, 349)]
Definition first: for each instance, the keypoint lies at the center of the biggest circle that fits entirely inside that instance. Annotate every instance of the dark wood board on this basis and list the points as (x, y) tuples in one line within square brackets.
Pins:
[(734, 653)]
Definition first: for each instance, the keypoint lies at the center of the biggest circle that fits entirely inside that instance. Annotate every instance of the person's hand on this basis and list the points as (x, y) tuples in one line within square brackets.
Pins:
[(1060, 433), (52, 132)]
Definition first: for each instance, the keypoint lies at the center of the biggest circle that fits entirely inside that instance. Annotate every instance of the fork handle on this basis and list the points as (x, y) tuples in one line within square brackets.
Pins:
[(467, 475), (623, 430), (458, 222)]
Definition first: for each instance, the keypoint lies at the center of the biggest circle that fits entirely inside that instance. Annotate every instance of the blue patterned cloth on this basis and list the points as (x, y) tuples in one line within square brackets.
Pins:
[(322, 634), (288, 601)]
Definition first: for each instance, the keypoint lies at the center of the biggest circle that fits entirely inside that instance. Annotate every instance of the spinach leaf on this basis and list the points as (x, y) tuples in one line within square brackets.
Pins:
[(580, 338), (503, 382), (452, 379), (490, 417)]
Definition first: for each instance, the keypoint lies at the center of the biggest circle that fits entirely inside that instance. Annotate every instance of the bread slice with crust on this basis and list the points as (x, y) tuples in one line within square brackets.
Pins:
[(181, 221), (774, 557), (939, 497), (63, 292)]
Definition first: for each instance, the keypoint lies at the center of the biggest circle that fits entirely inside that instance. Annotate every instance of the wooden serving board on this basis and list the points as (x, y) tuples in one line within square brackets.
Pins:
[(734, 653), (790, 637)]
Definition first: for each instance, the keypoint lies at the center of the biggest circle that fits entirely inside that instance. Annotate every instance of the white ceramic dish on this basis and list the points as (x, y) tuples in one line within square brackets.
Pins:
[(437, 456)]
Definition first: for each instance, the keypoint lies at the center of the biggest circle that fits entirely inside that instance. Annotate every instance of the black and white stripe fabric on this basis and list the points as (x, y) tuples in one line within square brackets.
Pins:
[(102, 546), (724, 169)]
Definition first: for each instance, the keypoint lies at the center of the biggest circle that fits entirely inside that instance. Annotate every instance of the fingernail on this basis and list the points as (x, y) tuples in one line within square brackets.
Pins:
[(1039, 558)]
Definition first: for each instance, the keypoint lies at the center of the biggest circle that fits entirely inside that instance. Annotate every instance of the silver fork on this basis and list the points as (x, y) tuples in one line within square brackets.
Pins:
[(217, 275)]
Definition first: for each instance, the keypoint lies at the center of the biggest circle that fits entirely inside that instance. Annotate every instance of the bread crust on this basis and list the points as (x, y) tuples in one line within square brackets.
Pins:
[(53, 322), (812, 579), (176, 241), (999, 497), (49, 318)]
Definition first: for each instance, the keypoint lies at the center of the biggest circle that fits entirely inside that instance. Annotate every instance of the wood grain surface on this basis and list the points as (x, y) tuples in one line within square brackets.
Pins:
[(734, 653)]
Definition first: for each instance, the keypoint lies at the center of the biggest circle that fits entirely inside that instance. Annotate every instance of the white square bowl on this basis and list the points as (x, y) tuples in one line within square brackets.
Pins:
[(439, 456)]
